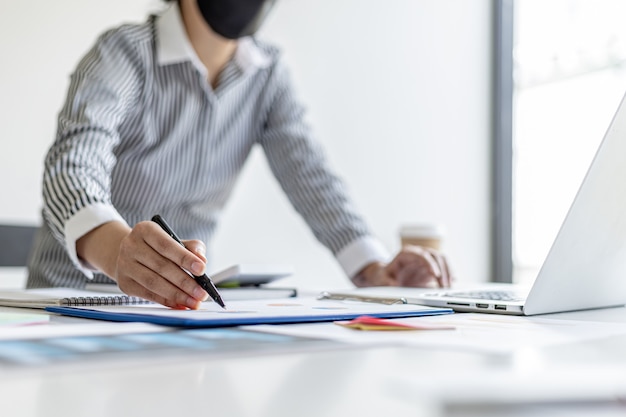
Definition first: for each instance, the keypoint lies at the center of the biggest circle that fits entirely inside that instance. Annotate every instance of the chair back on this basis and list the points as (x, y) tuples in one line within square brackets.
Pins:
[(15, 244)]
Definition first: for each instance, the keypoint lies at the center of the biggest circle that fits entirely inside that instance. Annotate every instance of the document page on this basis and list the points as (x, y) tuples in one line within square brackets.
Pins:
[(269, 311)]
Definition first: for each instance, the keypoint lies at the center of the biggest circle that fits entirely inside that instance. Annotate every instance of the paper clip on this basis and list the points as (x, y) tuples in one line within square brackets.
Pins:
[(325, 295)]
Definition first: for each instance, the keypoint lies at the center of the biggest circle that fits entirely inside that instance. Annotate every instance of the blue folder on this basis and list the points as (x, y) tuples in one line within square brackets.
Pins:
[(181, 318)]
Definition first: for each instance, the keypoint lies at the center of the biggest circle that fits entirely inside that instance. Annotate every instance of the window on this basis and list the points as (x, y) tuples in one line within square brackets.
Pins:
[(569, 75)]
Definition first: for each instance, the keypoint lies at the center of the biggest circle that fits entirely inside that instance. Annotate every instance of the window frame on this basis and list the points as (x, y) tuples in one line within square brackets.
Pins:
[(502, 220)]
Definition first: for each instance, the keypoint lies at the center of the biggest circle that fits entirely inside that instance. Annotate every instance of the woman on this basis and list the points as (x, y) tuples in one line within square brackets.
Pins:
[(160, 118)]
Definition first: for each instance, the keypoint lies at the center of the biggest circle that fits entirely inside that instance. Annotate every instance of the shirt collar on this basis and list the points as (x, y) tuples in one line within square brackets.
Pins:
[(173, 45)]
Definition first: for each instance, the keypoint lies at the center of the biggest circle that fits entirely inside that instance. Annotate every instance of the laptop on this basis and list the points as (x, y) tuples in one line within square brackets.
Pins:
[(586, 265)]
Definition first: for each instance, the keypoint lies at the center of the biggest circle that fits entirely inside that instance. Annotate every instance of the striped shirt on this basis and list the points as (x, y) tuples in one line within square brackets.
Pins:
[(143, 132)]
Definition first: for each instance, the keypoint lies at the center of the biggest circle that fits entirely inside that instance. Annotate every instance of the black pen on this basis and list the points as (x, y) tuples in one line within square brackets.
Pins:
[(203, 280)]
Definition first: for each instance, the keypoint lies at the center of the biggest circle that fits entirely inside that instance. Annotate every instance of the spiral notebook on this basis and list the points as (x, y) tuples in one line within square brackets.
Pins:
[(68, 297)]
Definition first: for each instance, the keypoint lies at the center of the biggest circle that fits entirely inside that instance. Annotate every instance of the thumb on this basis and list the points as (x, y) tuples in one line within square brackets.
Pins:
[(394, 266)]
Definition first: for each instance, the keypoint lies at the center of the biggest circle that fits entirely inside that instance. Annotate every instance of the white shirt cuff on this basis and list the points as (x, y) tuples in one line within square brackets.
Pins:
[(84, 221), (361, 252)]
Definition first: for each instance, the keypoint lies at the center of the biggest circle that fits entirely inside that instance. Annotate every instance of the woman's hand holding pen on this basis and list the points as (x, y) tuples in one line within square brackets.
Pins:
[(413, 266), (148, 264)]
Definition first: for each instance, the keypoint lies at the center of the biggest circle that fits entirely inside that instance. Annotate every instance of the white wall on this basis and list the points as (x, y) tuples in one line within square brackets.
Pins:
[(398, 91)]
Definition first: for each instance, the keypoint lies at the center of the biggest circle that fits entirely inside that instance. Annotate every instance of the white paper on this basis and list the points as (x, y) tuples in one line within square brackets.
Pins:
[(274, 308), (473, 331)]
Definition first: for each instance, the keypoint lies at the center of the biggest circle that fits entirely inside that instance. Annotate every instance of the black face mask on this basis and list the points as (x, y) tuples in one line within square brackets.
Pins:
[(234, 19)]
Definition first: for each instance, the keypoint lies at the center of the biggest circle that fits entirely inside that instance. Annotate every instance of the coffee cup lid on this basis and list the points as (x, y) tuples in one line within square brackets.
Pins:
[(423, 230)]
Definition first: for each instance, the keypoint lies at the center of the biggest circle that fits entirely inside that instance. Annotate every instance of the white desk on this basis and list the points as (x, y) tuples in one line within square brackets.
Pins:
[(332, 379)]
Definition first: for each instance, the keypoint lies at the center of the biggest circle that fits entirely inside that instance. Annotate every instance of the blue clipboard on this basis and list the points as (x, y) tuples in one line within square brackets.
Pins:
[(253, 312)]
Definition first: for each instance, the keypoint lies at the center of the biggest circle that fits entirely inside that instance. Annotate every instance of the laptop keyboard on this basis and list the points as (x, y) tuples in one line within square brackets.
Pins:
[(487, 295)]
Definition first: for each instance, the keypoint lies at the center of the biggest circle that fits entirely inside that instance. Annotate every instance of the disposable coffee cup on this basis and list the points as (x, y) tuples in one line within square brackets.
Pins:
[(426, 235)]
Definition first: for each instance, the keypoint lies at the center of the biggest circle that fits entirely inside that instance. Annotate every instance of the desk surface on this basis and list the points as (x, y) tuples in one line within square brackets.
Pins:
[(332, 378)]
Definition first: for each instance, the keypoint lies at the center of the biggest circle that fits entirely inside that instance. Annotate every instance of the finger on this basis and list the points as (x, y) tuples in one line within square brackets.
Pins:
[(196, 246), (165, 269), (139, 280), (415, 275), (393, 267), (146, 283), (410, 254), (426, 256), (415, 267), (448, 276), (374, 274), (167, 247), (137, 250), (444, 279), (177, 279)]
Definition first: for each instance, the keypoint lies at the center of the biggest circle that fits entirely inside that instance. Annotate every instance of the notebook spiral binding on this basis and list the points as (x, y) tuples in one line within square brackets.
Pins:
[(111, 300)]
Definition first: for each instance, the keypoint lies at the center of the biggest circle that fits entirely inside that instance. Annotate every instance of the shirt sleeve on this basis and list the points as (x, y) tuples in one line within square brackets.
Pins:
[(315, 191), (78, 166)]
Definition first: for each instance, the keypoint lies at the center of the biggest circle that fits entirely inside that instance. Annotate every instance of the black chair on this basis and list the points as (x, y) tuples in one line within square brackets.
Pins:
[(15, 244)]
